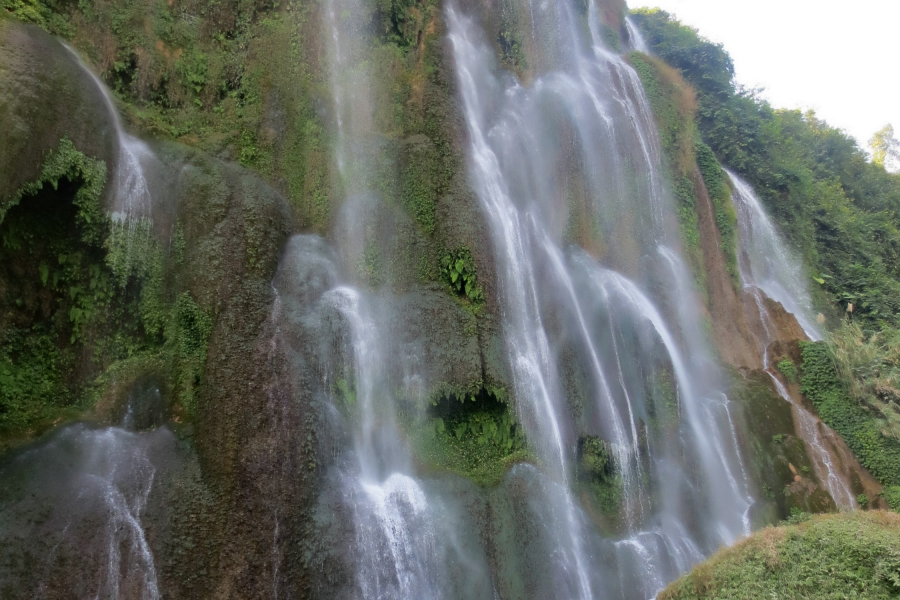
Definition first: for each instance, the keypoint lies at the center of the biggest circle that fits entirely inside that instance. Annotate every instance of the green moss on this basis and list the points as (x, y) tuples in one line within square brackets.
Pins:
[(673, 107), (720, 193), (611, 37), (598, 475), (853, 555), (188, 337), (474, 435), (774, 455)]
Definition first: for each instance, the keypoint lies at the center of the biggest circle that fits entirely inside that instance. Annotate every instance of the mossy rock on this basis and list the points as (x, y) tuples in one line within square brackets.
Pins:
[(44, 97)]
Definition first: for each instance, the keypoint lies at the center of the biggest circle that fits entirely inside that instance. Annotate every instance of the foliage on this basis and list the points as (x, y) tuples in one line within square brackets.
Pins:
[(598, 474), (188, 335), (788, 369), (892, 497), (473, 435), (40, 12), (797, 516), (458, 271), (869, 363), (885, 148), (511, 48), (68, 163), (852, 555), (819, 382)]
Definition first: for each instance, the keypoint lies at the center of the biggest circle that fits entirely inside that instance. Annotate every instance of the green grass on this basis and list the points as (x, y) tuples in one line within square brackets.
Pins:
[(855, 555)]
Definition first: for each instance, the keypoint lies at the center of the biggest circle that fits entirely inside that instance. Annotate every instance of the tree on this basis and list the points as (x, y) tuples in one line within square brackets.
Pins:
[(885, 148)]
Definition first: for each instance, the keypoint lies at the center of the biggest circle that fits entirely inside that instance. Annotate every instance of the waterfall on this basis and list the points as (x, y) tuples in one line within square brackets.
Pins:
[(590, 100), (131, 212), (635, 38), (766, 262), (768, 267)]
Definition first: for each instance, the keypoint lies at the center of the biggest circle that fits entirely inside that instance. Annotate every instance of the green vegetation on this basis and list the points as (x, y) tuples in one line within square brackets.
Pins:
[(869, 363), (598, 475), (52, 234), (475, 436), (82, 301), (788, 369), (720, 194), (855, 555), (458, 271), (837, 207), (819, 382)]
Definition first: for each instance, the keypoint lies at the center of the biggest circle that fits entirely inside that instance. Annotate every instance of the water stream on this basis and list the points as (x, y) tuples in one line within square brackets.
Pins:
[(769, 268)]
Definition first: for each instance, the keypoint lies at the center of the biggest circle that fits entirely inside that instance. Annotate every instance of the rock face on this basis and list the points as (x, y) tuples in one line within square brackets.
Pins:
[(44, 97), (731, 333)]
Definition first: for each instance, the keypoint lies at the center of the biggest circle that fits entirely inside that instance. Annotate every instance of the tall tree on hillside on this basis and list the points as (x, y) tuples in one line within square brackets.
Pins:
[(886, 148)]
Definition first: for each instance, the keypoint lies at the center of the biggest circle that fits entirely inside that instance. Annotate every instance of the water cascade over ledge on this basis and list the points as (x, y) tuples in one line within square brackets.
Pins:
[(769, 269)]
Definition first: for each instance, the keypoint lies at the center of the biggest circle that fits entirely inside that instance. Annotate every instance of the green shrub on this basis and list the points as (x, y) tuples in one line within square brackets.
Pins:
[(788, 369), (473, 435), (458, 271), (819, 382)]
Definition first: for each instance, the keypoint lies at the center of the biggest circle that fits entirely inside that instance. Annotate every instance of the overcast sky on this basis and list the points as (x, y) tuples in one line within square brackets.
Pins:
[(838, 58)]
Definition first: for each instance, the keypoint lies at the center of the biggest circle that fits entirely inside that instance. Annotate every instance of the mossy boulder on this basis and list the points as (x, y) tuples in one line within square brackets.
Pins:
[(45, 97)]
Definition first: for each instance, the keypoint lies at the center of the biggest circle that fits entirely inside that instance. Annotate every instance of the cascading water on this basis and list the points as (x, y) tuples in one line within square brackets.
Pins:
[(131, 213), (768, 268), (84, 491), (635, 38), (591, 101), (131, 196), (81, 497), (765, 261)]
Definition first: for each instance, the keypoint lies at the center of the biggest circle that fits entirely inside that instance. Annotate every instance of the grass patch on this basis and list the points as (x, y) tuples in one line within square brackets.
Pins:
[(855, 555)]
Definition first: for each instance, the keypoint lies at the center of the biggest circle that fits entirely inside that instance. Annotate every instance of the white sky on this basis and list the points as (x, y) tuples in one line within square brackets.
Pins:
[(838, 58)]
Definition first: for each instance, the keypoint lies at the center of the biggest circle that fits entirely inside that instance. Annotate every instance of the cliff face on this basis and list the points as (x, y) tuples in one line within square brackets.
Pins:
[(204, 297)]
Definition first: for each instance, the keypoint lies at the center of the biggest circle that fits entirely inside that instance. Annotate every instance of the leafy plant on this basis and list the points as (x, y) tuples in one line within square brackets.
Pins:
[(458, 270), (788, 369)]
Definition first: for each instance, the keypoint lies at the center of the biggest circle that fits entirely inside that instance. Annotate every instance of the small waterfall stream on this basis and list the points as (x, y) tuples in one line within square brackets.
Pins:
[(768, 268)]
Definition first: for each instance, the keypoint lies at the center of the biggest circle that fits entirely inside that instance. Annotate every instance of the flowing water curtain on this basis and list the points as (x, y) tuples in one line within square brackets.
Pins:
[(83, 503), (590, 98)]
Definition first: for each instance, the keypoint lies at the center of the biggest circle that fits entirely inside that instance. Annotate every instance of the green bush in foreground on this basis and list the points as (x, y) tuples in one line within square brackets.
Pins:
[(851, 555)]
